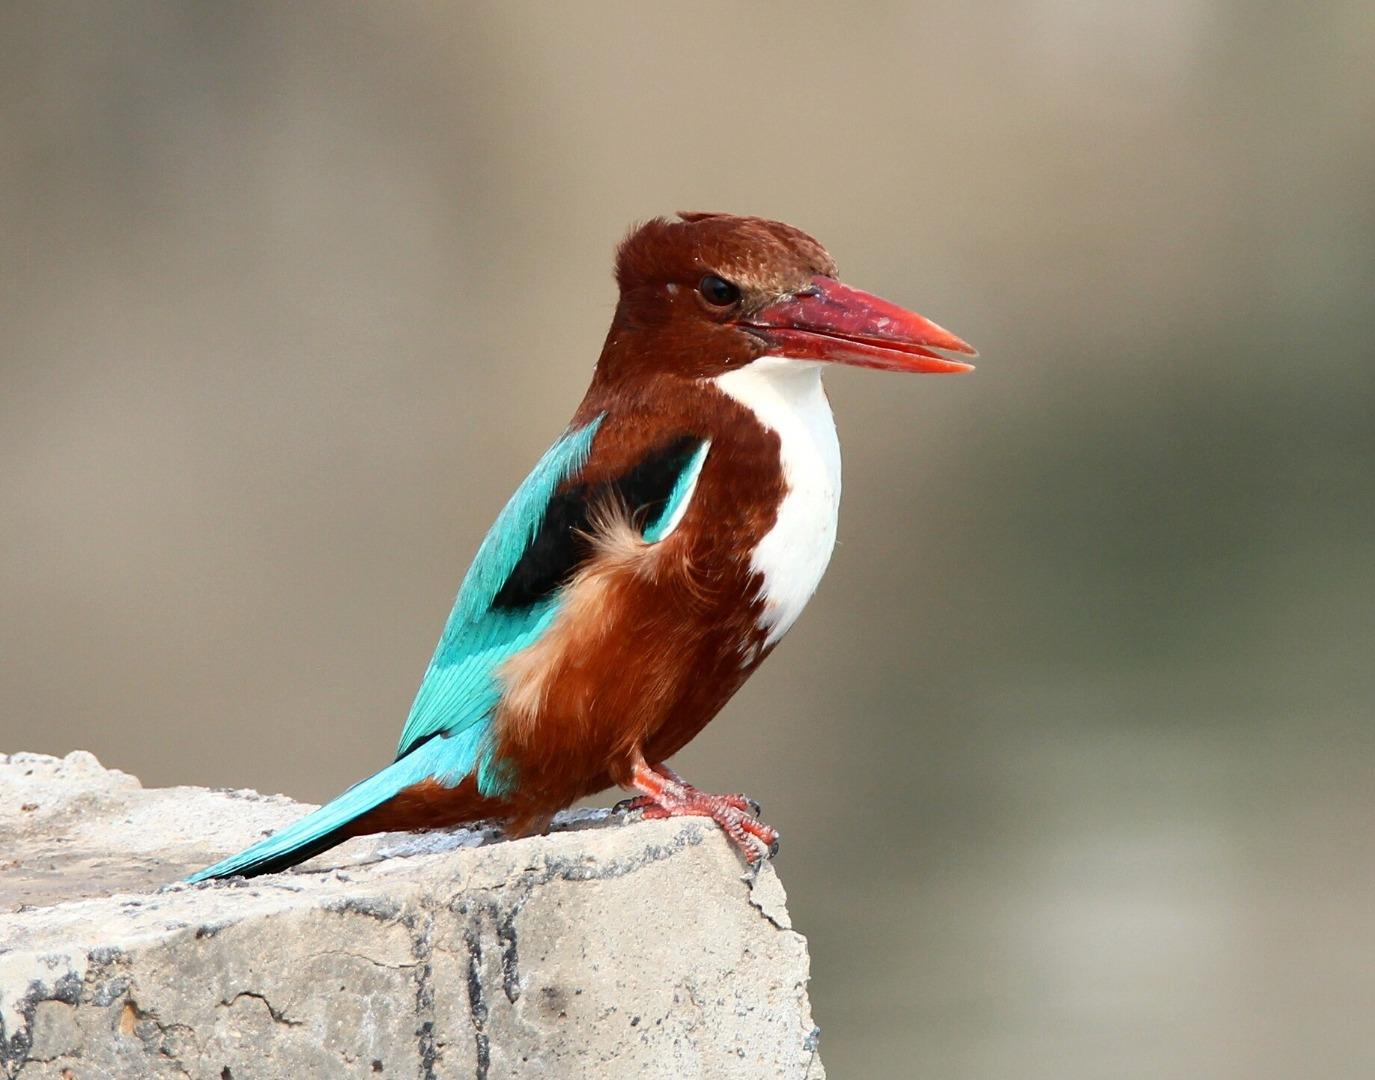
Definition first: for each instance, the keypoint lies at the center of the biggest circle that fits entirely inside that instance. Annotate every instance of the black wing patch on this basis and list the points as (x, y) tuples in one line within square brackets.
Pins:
[(561, 546)]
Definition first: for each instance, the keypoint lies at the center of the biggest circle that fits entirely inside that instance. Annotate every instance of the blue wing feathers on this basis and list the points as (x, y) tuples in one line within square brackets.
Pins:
[(676, 503), (460, 689), (516, 526)]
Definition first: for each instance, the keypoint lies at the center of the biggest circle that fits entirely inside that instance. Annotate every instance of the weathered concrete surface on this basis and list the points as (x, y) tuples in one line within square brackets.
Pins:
[(613, 949)]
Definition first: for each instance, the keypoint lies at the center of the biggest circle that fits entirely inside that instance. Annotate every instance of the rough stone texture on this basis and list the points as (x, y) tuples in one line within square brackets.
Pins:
[(612, 948)]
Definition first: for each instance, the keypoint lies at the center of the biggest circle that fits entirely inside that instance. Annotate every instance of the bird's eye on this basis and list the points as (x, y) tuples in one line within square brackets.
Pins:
[(718, 292)]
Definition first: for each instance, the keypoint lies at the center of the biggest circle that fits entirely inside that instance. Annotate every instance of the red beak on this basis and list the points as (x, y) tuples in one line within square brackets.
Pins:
[(831, 321)]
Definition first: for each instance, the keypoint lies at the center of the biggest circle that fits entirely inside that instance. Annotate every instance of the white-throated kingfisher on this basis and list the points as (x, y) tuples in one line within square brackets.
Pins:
[(653, 558)]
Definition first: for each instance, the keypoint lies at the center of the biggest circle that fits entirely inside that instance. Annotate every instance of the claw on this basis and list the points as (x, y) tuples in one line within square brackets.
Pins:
[(755, 859)]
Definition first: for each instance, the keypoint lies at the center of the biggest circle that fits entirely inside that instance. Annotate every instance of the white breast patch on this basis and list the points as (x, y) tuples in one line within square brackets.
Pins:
[(786, 396)]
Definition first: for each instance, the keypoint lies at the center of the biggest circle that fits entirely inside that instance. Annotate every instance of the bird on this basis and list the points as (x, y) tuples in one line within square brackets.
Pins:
[(653, 558)]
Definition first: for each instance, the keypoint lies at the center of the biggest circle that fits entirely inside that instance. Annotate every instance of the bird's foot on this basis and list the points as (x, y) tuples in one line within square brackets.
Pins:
[(665, 794)]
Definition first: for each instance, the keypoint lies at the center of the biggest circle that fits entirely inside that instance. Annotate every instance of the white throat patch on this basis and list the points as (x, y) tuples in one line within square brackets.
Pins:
[(786, 396)]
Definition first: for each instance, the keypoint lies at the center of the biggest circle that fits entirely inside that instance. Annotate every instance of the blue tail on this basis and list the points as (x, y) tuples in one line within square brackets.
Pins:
[(448, 760)]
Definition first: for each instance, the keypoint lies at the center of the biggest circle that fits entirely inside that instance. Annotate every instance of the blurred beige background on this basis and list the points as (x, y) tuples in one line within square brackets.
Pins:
[(1073, 753)]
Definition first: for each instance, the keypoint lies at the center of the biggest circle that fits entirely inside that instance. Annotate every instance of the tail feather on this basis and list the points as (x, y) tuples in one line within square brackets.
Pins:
[(328, 826)]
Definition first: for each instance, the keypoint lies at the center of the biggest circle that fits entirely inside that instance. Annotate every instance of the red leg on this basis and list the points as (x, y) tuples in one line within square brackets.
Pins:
[(644, 802), (664, 794)]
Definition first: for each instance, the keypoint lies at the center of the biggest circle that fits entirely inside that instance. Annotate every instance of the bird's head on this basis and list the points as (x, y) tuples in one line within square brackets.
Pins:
[(710, 293)]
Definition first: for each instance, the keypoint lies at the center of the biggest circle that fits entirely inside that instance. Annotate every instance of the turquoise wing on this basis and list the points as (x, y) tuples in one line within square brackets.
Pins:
[(514, 589), (460, 690)]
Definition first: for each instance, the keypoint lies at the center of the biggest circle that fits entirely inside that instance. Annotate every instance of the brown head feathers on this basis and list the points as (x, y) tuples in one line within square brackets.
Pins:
[(756, 254)]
